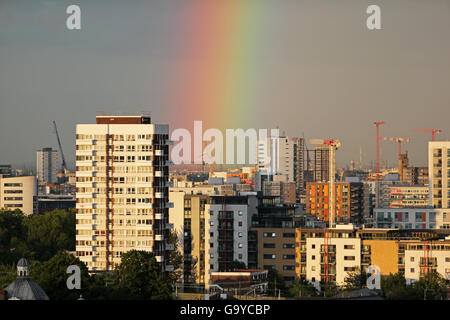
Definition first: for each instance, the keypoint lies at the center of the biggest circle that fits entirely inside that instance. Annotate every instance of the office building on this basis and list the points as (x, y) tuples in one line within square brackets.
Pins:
[(122, 189)]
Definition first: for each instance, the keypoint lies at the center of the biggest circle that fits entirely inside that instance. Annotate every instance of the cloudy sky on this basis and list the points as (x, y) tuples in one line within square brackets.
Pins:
[(309, 67)]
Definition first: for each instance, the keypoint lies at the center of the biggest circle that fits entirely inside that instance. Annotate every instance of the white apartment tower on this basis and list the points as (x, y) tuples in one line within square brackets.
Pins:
[(280, 153), (122, 189), (47, 165), (439, 173)]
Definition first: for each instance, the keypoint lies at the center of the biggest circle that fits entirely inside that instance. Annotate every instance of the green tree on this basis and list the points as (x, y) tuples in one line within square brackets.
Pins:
[(330, 289), (49, 233), (431, 287), (139, 277), (52, 276), (175, 258), (7, 275), (356, 279), (394, 287), (12, 240), (275, 282), (302, 288)]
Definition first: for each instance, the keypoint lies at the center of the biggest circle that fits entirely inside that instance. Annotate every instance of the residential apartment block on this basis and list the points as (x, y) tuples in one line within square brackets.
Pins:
[(48, 165), (401, 196), (412, 218), (349, 204), (122, 189), (329, 255), (19, 193), (439, 173)]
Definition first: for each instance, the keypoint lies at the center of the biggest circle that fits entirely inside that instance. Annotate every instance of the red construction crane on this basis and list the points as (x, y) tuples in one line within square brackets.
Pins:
[(433, 132), (399, 140), (377, 124)]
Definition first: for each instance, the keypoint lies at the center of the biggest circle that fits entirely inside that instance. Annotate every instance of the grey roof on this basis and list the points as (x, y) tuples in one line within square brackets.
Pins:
[(23, 263), (24, 288)]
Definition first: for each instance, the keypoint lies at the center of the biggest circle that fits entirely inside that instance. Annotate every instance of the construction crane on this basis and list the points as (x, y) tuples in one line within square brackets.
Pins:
[(396, 139), (377, 124), (333, 146), (433, 132), (63, 164)]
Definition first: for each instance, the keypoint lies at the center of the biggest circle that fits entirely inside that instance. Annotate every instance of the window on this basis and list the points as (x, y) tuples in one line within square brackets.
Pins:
[(288, 268), (313, 268), (240, 234), (240, 256), (412, 270), (269, 256), (313, 257), (349, 268), (288, 245), (349, 246), (289, 235), (412, 259), (239, 245), (349, 258), (240, 213), (269, 245), (269, 234), (447, 259), (313, 246), (313, 279), (240, 223), (289, 256), (211, 234), (212, 255)]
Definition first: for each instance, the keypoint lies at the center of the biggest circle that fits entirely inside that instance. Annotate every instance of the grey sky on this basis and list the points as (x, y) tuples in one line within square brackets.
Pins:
[(328, 76)]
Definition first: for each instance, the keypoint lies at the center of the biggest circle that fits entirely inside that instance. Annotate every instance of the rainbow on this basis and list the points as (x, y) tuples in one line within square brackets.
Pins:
[(216, 81)]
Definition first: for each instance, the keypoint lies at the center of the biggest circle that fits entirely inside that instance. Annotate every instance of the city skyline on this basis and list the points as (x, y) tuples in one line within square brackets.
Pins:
[(259, 63)]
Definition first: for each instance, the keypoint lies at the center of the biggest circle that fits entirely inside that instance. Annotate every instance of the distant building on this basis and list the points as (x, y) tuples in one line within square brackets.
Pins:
[(276, 156), (5, 170), (48, 165), (321, 163), (411, 175), (52, 202), (23, 288), (18, 193)]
